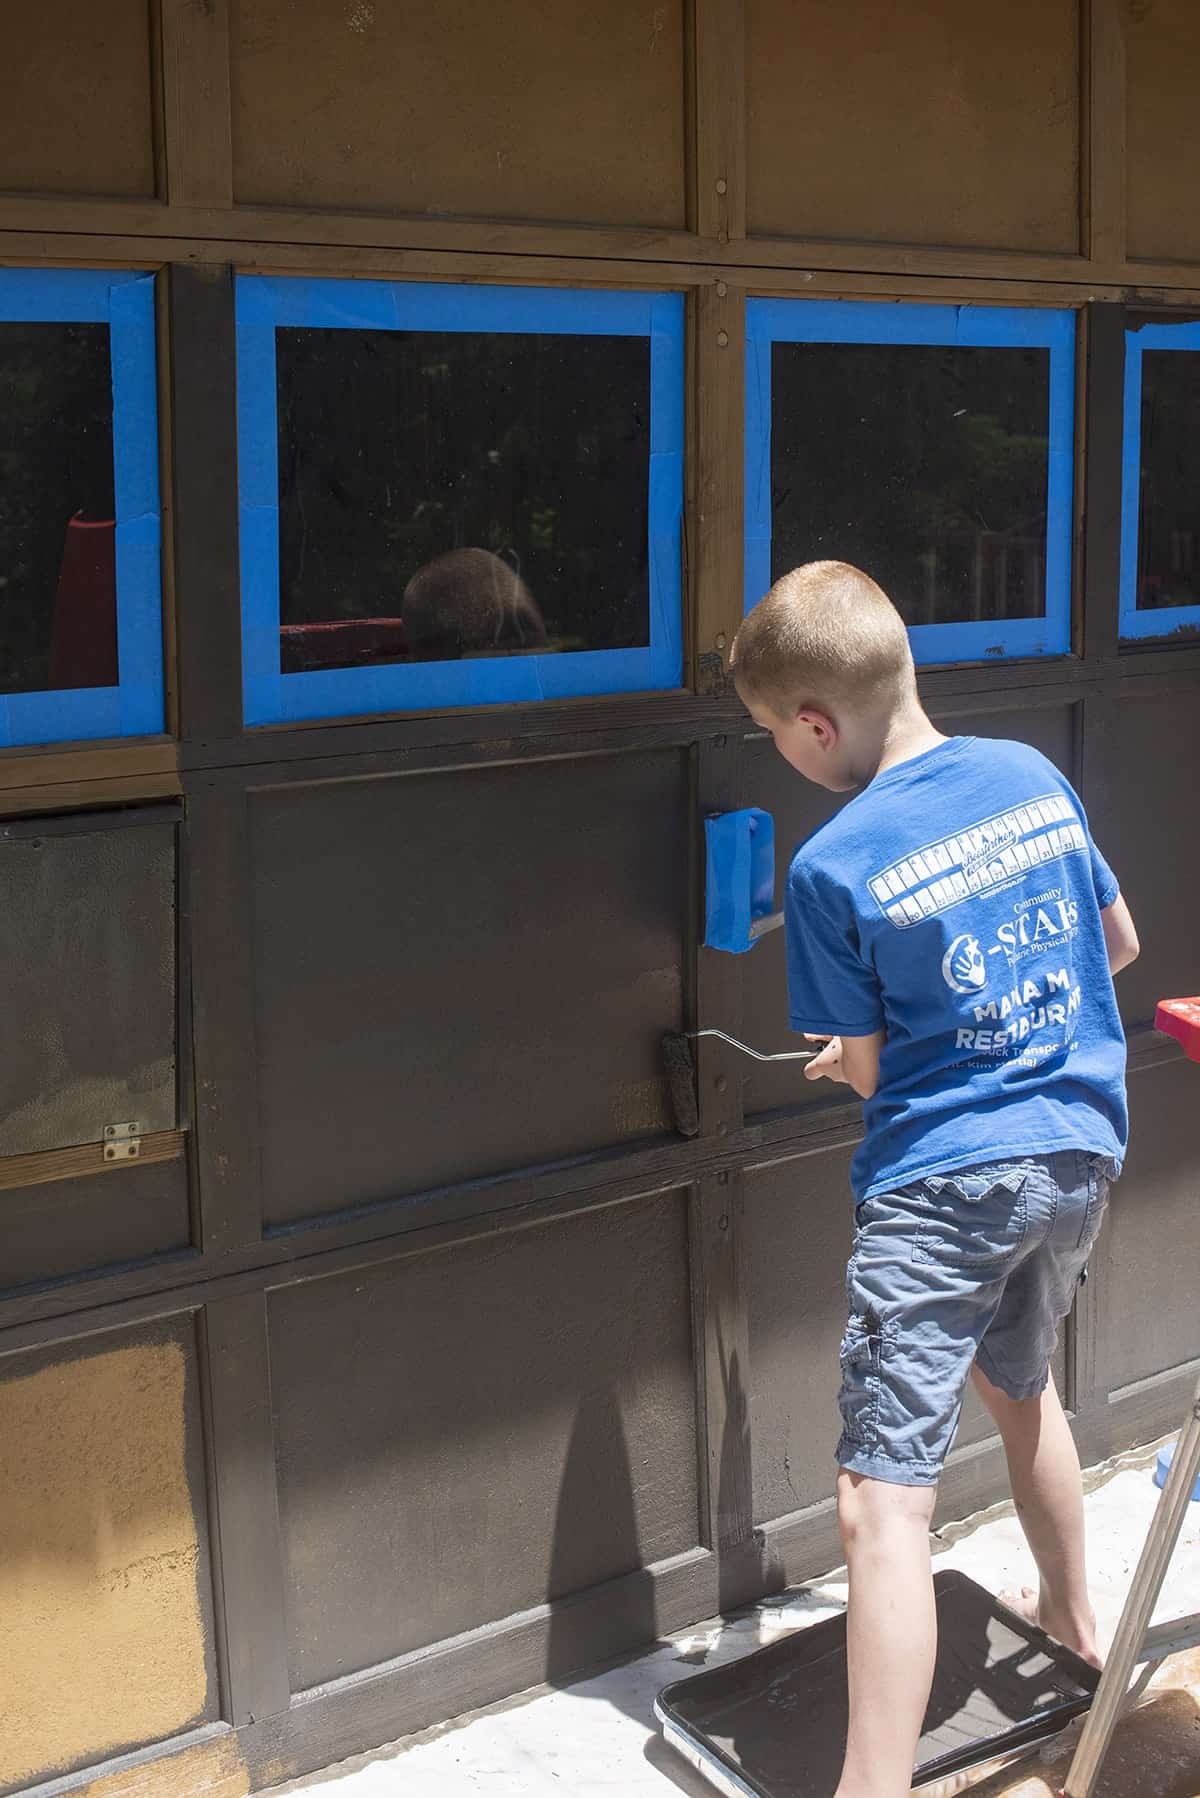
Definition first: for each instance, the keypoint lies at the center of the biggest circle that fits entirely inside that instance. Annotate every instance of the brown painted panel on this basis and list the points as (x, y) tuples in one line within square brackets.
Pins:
[(108, 1219), (463, 974), (941, 124), (472, 1432), (87, 962), (1147, 1257), (799, 1229), (798, 808), (1146, 825), (77, 115), (1162, 51), (105, 1587), (463, 108)]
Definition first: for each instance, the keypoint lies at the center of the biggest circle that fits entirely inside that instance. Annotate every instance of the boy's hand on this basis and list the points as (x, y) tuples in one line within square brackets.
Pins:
[(828, 1064), (852, 1061)]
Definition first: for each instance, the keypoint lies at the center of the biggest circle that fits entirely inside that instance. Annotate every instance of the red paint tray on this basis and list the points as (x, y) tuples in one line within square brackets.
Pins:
[(773, 1724)]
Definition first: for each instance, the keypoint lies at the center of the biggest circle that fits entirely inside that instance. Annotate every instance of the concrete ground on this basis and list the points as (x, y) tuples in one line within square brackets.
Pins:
[(598, 1737)]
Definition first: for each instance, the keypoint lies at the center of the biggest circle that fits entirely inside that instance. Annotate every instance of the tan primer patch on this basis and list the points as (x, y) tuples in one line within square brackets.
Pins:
[(101, 1639)]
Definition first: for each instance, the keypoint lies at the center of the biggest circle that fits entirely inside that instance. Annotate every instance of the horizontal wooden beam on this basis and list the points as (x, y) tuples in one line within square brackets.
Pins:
[(108, 774), (85, 1158), (78, 230)]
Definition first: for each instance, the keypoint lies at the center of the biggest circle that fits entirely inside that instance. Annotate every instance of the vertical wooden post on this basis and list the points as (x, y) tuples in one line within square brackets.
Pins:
[(1103, 160), (254, 1661), (717, 134), (202, 489), (1104, 412), (715, 554), (216, 868), (196, 130)]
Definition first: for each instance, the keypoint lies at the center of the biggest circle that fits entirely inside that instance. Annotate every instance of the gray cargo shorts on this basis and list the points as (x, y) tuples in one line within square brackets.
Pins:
[(978, 1265)]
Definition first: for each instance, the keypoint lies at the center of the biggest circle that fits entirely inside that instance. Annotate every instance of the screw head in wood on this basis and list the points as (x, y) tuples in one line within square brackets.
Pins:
[(722, 185), (723, 339), (722, 290), (719, 639)]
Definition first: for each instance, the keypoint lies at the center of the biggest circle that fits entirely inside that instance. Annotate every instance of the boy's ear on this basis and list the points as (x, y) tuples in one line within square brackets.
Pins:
[(824, 728)]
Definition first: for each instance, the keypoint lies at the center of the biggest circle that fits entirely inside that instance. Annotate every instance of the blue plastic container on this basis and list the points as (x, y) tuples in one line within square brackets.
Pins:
[(1162, 1468), (739, 877)]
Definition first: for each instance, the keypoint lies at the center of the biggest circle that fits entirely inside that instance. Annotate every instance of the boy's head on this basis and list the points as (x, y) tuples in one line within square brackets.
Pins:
[(823, 663)]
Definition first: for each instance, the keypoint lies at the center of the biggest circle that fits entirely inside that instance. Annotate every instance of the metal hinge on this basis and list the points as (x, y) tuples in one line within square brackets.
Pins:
[(122, 1142)]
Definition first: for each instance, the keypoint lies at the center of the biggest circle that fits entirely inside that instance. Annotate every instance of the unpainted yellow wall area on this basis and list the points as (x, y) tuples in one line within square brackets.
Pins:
[(101, 1634)]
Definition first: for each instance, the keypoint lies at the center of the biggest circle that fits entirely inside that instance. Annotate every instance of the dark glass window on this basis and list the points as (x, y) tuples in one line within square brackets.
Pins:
[(458, 494), (1168, 525), (926, 465), (58, 597)]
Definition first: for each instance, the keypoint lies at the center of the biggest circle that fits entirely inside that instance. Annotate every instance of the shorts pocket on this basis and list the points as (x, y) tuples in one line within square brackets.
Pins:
[(1100, 1172), (866, 1344), (973, 1221)]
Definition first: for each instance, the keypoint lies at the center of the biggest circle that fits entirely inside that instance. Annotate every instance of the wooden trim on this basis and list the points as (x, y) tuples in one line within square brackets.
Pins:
[(201, 1763), (717, 120), (716, 480), (46, 1165), (449, 1218), (1104, 132), (204, 502), (393, 1699), (719, 1069), (196, 126), (75, 230), (69, 795), (1103, 449), (801, 268), (216, 867), (53, 779), (239, 1422), (418, 742)]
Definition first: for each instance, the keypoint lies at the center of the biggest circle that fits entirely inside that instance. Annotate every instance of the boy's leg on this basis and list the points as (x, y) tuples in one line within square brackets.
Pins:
[(1043, 1470), (892, 1631)]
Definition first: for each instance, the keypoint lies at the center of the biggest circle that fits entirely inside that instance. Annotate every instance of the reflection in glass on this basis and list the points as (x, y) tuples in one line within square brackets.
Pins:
[(58, 598), (925, 465), (1168, 564), (451, 494)]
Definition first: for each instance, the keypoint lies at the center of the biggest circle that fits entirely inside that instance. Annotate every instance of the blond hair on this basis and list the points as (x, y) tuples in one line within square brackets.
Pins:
[(824, 635)]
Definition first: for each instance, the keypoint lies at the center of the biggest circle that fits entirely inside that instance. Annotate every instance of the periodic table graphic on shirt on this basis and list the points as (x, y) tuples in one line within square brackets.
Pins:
[(982, 859)]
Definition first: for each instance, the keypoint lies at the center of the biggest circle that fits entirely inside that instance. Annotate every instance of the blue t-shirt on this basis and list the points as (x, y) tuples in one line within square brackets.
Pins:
[(955, 905)]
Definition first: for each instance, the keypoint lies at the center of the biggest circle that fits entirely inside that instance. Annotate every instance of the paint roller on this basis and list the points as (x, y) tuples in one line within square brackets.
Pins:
[(739, 896)]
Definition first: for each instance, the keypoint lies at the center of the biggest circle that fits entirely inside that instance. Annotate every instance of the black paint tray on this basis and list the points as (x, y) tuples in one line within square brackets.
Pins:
[(773, 1724)]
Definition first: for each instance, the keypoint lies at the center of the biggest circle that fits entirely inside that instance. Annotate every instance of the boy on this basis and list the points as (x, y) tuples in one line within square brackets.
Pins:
[(951, 935)]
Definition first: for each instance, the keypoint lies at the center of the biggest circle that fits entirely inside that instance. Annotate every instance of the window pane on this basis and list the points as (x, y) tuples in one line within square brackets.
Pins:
[(58, 605), (450, 494), (1168, 563), (927, 466)]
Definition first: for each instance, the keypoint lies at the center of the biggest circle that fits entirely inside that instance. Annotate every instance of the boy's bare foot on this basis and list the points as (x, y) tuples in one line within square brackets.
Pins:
[(1080, 1638)]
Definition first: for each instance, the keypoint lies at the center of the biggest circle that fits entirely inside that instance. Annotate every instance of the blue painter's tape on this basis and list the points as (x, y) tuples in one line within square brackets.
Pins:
[(76, 716), (757, 515), (139, 527), (65, 296), (739, 877), (266, 303), (125, 301), (444, 306), (850, 321), (1141, 624)]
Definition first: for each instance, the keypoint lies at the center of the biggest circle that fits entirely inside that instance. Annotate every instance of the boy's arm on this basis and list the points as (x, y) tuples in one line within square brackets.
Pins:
[(853, 1060), (1120, 937)]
